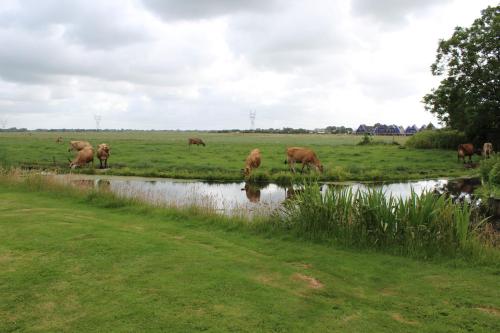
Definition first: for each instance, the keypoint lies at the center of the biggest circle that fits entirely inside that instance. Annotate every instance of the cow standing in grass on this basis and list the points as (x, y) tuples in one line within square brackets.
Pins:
[(78, 145), (467, 149), (195, 141), (103, 155), (252, 162), (487, 149), (302, 155)]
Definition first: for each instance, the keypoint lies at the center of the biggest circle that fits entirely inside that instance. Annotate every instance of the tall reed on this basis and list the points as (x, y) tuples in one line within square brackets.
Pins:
[(423, 225)]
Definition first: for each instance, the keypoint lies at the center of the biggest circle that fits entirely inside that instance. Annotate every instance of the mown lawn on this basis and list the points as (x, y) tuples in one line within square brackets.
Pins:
[(166, 154), (67, 265)]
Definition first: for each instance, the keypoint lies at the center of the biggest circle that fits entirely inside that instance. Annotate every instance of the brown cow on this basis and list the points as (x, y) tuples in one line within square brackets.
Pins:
[(196, 141), (467, 149), (59, 139), (304, 156), (252, 162), (78, 145), (103, 155), (83, 157), (487, 149)]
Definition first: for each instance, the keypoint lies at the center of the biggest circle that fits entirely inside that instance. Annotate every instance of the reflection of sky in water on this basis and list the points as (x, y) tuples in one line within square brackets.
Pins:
[(222, 196), (227, 196)]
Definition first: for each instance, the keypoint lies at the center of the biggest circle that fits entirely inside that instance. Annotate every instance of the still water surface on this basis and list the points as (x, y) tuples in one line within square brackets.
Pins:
[(228, 197)]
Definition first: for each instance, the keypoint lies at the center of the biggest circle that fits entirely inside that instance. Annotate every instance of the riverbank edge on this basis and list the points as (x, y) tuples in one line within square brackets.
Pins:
[(281, 178)]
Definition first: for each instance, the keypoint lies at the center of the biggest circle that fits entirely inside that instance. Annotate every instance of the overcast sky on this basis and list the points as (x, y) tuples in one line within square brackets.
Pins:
[(181, 64)]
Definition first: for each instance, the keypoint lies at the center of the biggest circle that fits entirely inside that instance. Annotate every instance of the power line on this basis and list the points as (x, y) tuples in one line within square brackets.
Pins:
[(252, 115), (97, 119)]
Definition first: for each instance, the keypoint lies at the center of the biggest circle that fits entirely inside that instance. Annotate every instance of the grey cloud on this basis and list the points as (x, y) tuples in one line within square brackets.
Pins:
[(172, 10), (391, 12), (289, 39), (97, 27), (386, 86), (33, 59)]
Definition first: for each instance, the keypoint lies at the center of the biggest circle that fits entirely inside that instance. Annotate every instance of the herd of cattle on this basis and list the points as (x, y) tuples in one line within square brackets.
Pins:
[(304, 156), (85, 153), (467, 149)]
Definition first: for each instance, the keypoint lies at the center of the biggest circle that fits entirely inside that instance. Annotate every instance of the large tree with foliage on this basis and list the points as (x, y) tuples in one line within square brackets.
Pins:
[(468, 97)]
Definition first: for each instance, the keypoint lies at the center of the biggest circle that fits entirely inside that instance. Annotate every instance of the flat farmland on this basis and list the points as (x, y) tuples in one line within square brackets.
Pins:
[(167, 154)]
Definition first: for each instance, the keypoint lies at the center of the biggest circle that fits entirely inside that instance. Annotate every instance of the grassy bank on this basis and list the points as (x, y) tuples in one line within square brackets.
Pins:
[(166, 154), (74, 262)]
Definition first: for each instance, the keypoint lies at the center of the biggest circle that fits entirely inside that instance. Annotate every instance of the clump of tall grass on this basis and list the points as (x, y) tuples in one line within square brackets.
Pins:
[(423, 225), (442, 139), (490, 176), (259, 177)]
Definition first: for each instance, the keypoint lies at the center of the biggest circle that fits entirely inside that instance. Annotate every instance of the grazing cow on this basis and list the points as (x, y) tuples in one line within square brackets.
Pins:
[(196, 141), (252, 192), (59, 139), (78, 145), (487, 149), (83, 157), (304, 156), (467, 149), (103, 154), (252, 162)]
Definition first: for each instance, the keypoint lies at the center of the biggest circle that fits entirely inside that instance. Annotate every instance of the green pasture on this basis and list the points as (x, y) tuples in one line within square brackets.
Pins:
[(167, 154), (74, 263)]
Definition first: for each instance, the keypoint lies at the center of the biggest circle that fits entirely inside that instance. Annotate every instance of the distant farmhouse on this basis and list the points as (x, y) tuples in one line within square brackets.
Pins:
[(364, 129), (382, 129)]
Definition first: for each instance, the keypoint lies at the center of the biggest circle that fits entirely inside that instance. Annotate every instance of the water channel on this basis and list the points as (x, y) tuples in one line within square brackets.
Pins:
[(233, 197)]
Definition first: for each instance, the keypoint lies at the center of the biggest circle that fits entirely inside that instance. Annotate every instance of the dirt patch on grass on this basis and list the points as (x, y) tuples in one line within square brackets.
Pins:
[(438, 281), (269, 279), (311, 282), (178, 237), (6, 257), (302, 265), (489, 310), (399, 318), (349, 318), (133, 227), (387, 292)]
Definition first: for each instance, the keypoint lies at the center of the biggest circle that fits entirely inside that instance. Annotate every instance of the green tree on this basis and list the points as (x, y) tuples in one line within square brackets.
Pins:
[(468, 98)]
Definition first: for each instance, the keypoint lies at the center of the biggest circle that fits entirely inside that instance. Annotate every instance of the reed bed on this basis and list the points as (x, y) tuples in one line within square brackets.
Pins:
[(425, 225)]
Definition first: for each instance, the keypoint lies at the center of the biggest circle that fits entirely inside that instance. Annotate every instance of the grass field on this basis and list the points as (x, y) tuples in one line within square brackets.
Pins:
[(68, 264), (166, 154)]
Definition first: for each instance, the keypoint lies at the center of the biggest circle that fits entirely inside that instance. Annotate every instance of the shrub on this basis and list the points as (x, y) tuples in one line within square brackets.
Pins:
[(283, 178), (259, 177), (494, 175), (487, 165), (366, 140), (442, 139)]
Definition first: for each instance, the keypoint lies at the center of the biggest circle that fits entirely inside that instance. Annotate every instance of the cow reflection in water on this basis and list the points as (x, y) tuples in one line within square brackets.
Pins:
[(462, 185), (291, 192), (83, 183), (103, 185), (252, 191)]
